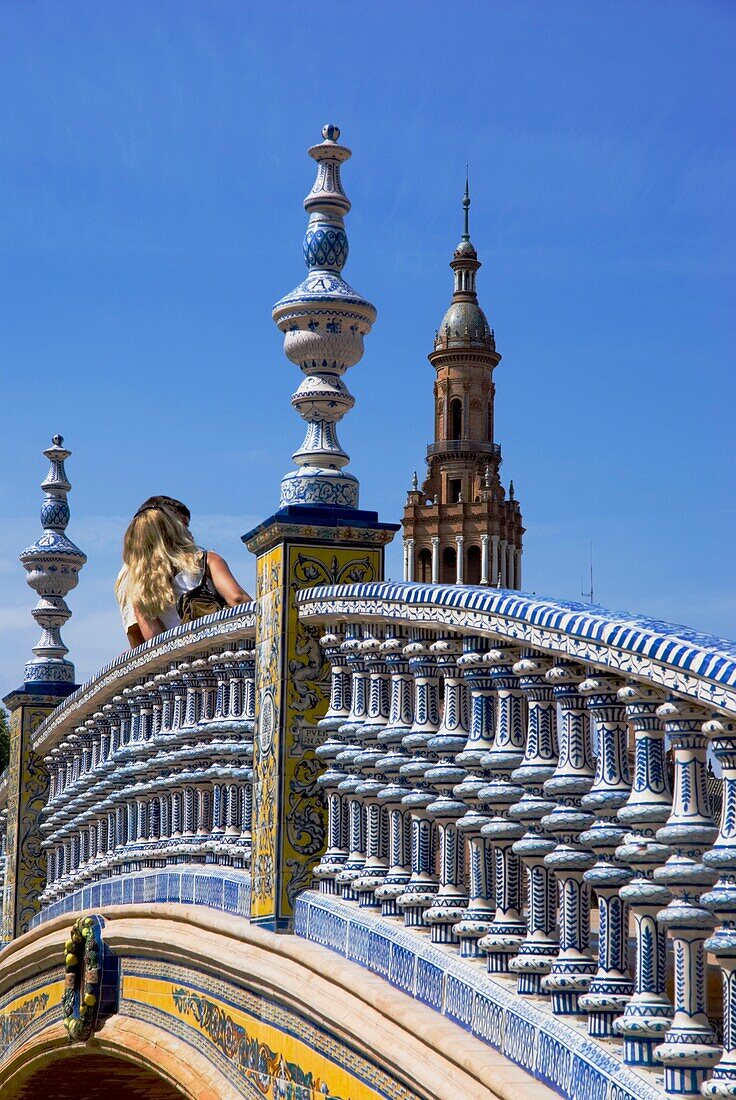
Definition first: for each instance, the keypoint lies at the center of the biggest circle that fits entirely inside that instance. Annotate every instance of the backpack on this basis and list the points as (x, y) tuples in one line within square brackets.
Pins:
[(203, 599)]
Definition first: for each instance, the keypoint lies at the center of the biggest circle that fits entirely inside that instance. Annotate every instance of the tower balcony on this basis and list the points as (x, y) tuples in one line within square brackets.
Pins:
[(464, 446)]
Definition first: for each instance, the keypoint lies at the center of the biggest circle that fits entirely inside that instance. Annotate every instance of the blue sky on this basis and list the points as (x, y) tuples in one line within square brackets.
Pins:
[(153, 160)]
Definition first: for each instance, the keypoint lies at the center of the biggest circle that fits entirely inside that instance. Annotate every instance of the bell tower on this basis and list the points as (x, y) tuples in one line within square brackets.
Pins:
[(461, 526)]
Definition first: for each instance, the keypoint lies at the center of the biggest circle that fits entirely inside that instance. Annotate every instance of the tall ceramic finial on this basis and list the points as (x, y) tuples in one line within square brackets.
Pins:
[(52, 564), (323, 321), (466, 207)]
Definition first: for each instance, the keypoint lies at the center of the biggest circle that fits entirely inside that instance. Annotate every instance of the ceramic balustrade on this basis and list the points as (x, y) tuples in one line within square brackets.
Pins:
[(478, 915), (159, 774), (572, 969), (611, 985), (689, 1051), (465, 762), (721, 901), (540, 946), (508, 926), (394, 756), (423, 884), (648, 1013)]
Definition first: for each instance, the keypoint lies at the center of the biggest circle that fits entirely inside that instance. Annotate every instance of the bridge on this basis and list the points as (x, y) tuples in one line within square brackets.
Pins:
[(366, 839)]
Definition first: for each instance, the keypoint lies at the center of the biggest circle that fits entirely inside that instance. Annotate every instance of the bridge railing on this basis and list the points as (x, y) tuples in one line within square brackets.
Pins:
[(494, 762), (150, 769)]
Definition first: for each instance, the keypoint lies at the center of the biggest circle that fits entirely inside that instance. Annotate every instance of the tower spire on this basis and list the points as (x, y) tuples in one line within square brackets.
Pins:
[(324, 321), (466, 207), (52, 563)]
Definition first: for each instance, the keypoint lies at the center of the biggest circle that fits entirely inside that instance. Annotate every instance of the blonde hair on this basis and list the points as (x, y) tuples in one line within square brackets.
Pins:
[(156, 547)]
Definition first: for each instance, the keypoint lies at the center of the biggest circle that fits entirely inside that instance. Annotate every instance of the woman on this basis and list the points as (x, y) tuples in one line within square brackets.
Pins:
[(161, 564)]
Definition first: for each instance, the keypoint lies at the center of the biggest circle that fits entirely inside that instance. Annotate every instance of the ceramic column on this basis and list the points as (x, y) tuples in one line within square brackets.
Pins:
[(507, 929), (376, 865), (689, 1050), (479, 913), (401, 715), (345, 760), (484, 559), (611, 986), (541, 944), (451, 901), (336, 853), (422, 885), (648, 1014), (574, 966), (721, 901)]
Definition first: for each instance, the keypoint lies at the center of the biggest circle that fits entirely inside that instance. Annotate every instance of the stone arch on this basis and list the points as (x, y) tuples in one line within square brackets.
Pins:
[(456, 419), (131, 1060), (424, 565), (448, 573), (472, 565)]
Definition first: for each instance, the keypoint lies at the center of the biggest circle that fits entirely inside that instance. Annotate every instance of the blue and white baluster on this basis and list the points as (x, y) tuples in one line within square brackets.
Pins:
[(423, 885), (648, 1013), (346, 760), (721, 901), (336, 854), (449, 906), (689, 1050), (574, 966), (401, 715), (611, 986), (540, 946), (508, 928), (376, 864), (480, 911)]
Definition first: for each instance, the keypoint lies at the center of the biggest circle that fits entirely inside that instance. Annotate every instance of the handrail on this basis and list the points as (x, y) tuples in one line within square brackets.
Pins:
[(464, 446), (686, 662), (233, 624)]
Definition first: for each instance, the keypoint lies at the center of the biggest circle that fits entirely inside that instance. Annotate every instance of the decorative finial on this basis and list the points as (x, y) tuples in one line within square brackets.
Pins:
[(415, 482), (466, 206), (511, 490), (487, 476), (52, 564), (324, 321)]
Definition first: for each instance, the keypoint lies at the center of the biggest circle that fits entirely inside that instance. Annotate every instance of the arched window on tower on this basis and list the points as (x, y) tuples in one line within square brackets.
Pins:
[(424, 566), (456, 418), (490, 422), (472, 565), (449, 565)]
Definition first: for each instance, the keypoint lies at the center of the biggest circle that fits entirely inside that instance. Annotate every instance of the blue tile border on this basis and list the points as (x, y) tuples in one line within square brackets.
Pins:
[(675, 657), (555, 1053), (218, 888)]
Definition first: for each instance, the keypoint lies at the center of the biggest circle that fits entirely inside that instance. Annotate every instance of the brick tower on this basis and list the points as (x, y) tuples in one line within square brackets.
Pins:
[(460, 526)]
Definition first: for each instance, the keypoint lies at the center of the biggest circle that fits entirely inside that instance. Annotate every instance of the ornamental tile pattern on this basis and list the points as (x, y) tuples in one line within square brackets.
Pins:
[(680, 660), (258, 1044), (548, 1048)]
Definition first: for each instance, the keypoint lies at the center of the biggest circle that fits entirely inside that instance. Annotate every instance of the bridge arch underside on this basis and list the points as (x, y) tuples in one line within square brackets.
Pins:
[(83, 1074), (212, 1008)]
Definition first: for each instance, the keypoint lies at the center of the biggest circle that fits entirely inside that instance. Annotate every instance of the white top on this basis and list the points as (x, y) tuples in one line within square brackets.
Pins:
[(182, 582)]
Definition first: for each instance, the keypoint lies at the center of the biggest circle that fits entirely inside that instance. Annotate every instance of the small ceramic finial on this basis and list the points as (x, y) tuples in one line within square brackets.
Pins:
[(511, 490), (487, 477), (323, 321), (52, 564), (415, 482)]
